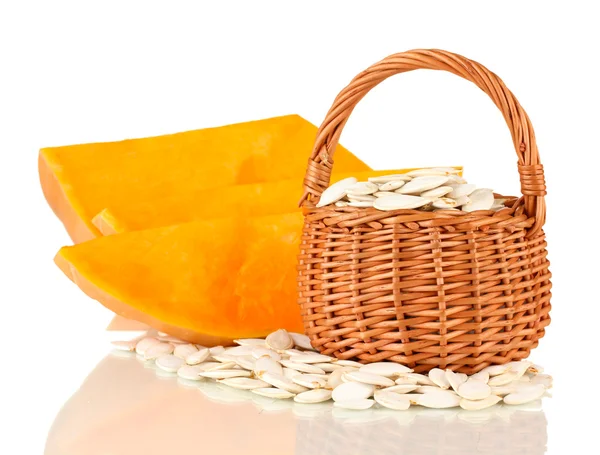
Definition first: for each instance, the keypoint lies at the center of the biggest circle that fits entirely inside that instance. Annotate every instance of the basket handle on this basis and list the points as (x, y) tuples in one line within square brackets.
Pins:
[(531, 171)]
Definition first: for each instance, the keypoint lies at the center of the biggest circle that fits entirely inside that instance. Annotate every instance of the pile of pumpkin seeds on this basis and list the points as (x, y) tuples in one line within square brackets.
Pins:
[(285, 366), (430, 189)]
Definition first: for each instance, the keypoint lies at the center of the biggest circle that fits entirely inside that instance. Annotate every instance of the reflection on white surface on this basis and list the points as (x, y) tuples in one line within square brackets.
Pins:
[(127, 406)]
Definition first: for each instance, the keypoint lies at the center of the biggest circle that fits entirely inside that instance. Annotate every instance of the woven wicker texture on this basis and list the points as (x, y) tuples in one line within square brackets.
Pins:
[(426, 289)]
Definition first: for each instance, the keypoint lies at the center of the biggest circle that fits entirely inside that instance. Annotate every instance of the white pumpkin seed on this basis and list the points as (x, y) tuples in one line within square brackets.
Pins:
[(216, 350), (402, 380), (438, 377), (144, 344), (544, 379), (437, 192), (224, 358), (437, 400), (462, 200), (369, 378), (238, 350), (480, 199), (482, 376), (335, 192), (197, 357), (444, 203), (503, 390), (328, 367), (311, 358), (421, 184), (392, 400), (223, 366), (387, 369), (352, 391), (456, 179), (289, 373), (381, 179), (281, 382), (224, 374), (251, 342), (244, 383), (357, 404), (169, 363), (257, 353), (267, 365), (519, 368), (400, 202), (156, 350), (402, 388), (420, 378), (313, 396), (360, 198), (460, 190), (346, 363), (302, 367), (184, 350), (431, 389), (293, 351), (335, 378), (535, 369), (525, 394), (207, 366), (273, 392), (496, 370), (301, 341), (503, 379), (384, 193), (341, 204), (279, 340), (474, 390), (124, 345), (191, 373), (310, 381), (392, 185), (478, 405), (362, 188), (171, 339), (247, 362), (455, 379)]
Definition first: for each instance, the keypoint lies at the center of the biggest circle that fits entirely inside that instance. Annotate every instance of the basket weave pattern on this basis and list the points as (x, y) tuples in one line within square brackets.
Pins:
[(426, 289)]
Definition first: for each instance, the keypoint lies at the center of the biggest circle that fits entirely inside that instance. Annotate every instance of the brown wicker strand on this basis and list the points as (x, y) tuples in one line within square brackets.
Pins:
[(427, 289)]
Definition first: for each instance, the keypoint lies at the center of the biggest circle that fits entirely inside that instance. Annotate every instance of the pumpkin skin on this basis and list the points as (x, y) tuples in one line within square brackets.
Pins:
[(207, 282), (79, 181), (257, 199)]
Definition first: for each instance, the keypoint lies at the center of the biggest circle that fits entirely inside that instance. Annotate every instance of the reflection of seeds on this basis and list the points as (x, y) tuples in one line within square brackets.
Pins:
[(357, 404), (244, 383), (272, 392), (224, 374)]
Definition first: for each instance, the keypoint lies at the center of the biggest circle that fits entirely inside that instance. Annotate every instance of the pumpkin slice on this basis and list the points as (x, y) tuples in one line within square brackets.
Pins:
[(79, 181), (207, 282), (256, 199)]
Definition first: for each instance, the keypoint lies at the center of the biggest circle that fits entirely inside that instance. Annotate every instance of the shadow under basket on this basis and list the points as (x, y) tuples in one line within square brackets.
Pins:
[(445, 289)]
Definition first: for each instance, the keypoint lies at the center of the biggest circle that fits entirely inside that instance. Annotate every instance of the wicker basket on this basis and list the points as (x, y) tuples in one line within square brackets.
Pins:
[(426, 289)]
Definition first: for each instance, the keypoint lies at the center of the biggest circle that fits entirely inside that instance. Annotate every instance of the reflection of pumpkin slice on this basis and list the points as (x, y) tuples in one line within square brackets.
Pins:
[(123, 408), (81, 180), (207, 282), (255, 199)]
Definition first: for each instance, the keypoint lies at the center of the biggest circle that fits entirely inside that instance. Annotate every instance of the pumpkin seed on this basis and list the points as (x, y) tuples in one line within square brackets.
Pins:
[(519, 368), (144, 344), (251, 342), (244, 383), (525, 394), (420, 378), (455, 379), (309, 381), (257, 353), (352, 391), (420, 184), (387, 369), (369, 378), (184, 350), (362, 204), (482, 376), (437, 192), (391, 185), (474, 390), (438, 377), (223, 366), (496, 370), (335, 192), (478, 405), (444, 203), (347, 363), (392, 400), (224, 374), (357, 404), (362, 188), (280, 340), (438, 400), (311, 358), (238, 350), (544, 379), (216, 350), (281, 382), (381, 179), (156, 350), (480, 199), (302, 367), (124, 345), (399, 202), (313, 396), (402, 388), (301, 341), (197, 357), (267, 365), (503, 379), (361, 198), (191, 373), (460, 190), (247, 362), (289, 373), (328, 367), (169, 363), (273, 392)]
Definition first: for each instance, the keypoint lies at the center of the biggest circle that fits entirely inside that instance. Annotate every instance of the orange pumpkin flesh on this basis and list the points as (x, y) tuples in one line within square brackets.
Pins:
[(207, 282), (79, 181)]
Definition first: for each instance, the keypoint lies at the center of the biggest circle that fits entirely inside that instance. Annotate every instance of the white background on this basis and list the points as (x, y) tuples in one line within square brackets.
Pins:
[(101, 71)]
